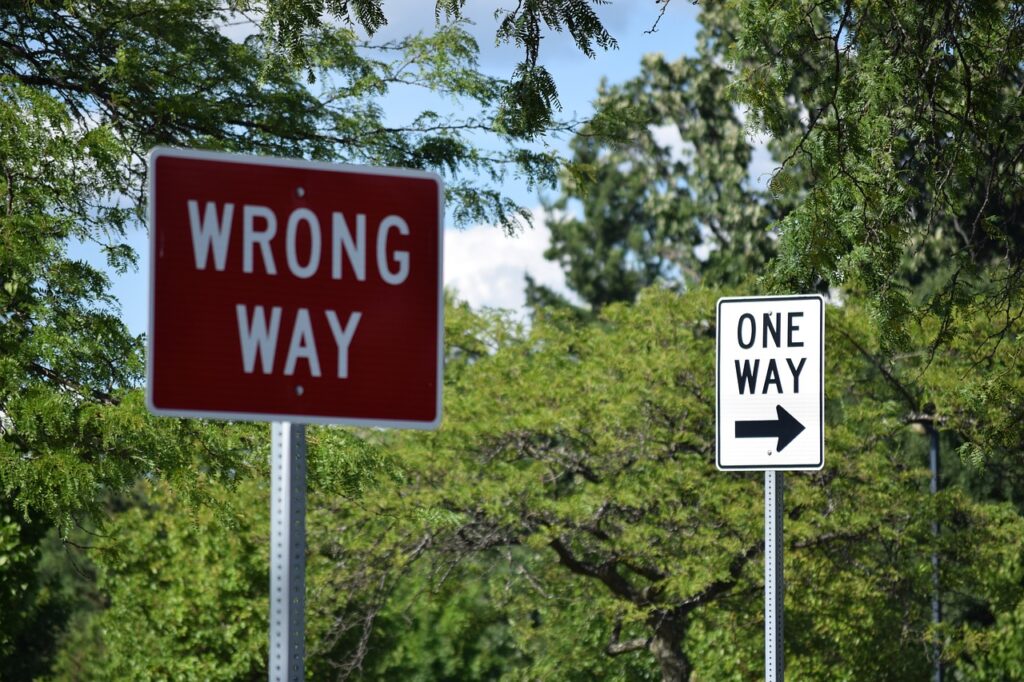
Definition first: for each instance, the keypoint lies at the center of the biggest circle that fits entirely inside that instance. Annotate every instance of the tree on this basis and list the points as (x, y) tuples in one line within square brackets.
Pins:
[(577, 454), (185, 588), (569, 510), (903, 124), (86, 90), (591, 448), (528, 100), (654, 214), (847, 148), (34, 602)]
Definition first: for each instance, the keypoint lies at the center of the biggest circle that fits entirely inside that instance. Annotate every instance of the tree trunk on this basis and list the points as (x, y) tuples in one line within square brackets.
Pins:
[(666, 645)]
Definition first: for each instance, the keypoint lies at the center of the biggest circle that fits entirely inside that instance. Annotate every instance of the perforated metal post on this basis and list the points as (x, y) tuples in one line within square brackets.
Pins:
[(287, 551), (933, 461), (774, 586)]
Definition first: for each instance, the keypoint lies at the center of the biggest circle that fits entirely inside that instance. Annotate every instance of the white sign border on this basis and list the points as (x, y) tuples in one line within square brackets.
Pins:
[(228, 157), (718, 399)]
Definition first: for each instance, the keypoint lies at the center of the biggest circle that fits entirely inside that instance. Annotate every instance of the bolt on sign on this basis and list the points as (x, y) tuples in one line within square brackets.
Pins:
[(771, 383), (294, 290)]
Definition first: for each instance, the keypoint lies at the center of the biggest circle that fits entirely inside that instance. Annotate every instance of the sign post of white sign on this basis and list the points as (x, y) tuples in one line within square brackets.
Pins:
[(771, 417)]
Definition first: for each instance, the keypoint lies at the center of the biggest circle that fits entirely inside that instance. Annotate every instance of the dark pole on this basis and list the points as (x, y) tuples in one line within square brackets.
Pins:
[(933, 460)]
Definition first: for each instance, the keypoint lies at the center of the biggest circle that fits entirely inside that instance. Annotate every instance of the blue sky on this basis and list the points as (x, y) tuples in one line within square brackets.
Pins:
[(481, 263)]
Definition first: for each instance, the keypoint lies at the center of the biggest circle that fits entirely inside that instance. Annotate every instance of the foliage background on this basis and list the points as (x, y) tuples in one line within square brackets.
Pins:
[(567, 521)]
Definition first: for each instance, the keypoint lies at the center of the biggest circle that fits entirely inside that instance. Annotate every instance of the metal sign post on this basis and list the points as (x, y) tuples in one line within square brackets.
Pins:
[(287, 551), (933, 461), (774, 586)]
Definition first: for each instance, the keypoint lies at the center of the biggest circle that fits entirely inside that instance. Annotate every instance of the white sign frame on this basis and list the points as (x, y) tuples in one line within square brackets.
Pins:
[(745, 424)]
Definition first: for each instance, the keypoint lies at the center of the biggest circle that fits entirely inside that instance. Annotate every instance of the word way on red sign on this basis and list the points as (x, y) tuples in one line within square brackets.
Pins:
[(294, 290)]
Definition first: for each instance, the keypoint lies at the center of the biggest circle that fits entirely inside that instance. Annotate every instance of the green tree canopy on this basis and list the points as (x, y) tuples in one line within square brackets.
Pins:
[(896, 126), (649, 212), (86, 89), (528, 100), (572, 487), (630, 214), (903, 125), (570, 509)]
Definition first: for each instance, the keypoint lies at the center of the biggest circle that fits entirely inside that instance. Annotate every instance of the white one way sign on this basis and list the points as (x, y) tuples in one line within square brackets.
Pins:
[(771, 383)]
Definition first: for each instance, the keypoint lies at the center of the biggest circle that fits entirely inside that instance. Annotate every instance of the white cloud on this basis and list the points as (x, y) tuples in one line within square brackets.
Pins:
[(488, 268), (762, 165), (667, 136), (240, 26)]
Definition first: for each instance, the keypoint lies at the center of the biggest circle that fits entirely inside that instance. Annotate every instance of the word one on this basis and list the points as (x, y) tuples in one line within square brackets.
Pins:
[(294, 290), (770, 383)]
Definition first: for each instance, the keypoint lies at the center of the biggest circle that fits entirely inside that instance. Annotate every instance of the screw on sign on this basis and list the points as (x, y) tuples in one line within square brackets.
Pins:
[(287, 289)]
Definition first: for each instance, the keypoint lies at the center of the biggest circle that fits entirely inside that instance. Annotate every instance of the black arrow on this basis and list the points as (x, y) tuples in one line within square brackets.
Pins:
[(785, 428)]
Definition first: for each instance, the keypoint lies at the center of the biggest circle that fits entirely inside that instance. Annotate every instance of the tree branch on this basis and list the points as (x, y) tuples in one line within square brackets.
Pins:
[(619, 648), (605, 572), (889, 376), (719, 587)]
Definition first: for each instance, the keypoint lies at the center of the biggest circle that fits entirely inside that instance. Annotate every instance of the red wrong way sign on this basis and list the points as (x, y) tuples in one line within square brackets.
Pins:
[(294, 291)]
